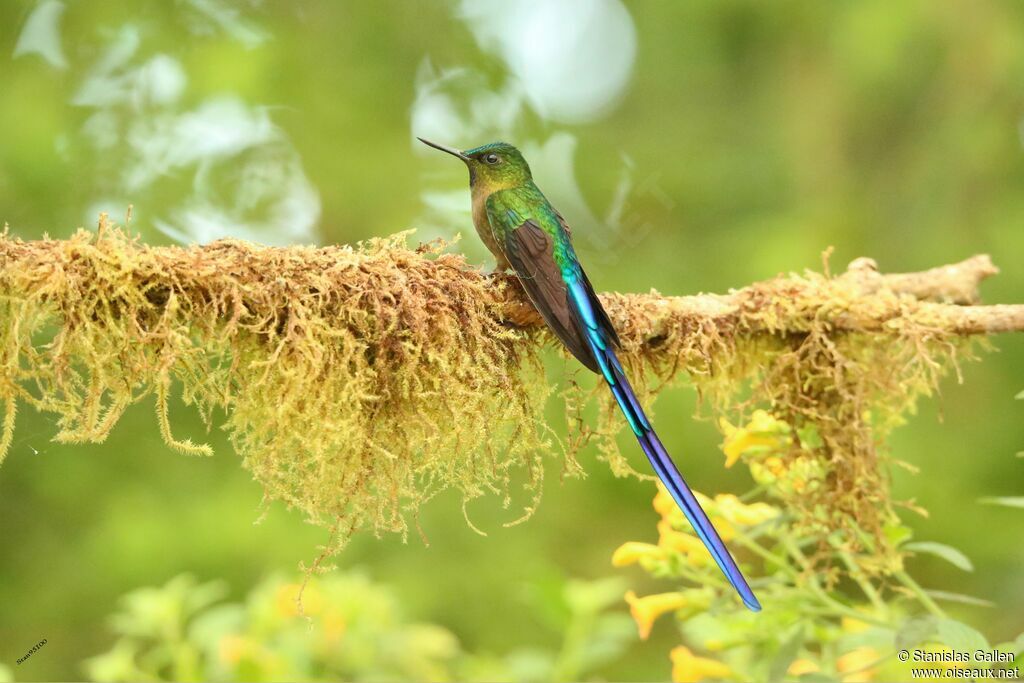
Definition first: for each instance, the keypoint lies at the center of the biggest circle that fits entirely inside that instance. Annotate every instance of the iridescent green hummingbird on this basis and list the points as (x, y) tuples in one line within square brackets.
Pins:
[(524, 232)]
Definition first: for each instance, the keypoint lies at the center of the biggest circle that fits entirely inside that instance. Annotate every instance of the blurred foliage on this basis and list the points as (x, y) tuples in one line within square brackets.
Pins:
[(824, 625), (757, 135), (347, 628)]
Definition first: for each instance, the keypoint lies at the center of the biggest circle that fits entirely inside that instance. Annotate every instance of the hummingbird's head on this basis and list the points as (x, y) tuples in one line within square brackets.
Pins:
[(494, 166)]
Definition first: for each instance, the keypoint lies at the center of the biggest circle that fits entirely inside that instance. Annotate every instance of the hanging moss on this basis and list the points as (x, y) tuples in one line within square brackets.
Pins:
[(789, 346), (359, 382), (356, 383)]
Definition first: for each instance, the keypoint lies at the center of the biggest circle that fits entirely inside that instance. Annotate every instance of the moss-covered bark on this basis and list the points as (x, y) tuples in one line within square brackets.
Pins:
[(357, 382)]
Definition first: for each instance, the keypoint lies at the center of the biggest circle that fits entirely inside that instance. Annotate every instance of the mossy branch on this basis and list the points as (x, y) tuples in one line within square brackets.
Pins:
[(357, 382), (859, 300)]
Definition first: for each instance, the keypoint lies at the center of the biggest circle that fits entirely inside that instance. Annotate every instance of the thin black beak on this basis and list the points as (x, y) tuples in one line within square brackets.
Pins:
[(453, 152)]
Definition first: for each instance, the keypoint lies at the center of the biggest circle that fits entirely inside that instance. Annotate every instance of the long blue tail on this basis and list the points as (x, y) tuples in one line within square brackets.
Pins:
[(662, 463), (674, 482)]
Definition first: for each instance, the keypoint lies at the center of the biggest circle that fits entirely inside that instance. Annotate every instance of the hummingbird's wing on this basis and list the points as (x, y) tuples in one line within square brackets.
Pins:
[(529, 249)]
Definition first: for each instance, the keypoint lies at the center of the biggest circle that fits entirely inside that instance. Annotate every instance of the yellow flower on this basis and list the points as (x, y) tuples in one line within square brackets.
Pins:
[(799, 667), (731, 508), (665, 506), (334, 626), (763, 432), (726, 512), (647, 609), (713, 644), (851, 625), (725, 508), (768, 471), (803, 473), (687, 544), (688, 667), (855, 662), (286, 606), (633, 551), (232, 648)]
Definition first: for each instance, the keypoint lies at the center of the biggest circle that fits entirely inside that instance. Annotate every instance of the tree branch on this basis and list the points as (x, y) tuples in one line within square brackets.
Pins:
[(349, 376), (859, 300)]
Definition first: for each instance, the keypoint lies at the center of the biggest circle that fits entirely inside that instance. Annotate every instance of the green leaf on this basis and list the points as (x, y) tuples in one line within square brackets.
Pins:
[(1018, 645), (530, 664), (590, 597), (810, 439), (705, 627), (1020, 396), (897, 533), (546, 600), (960, 636), (959, 597), (914, 631), (118, 664), (787, 653), (1006, 501), (208, 628), (946, 552), (611, 635), (1013, 647), (877, 637)]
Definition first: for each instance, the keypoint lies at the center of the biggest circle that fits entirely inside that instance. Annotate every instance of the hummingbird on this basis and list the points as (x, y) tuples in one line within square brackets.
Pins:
[(526, 233)]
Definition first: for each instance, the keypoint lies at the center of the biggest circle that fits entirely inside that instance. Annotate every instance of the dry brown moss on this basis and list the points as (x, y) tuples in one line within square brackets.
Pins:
[(359, 382)]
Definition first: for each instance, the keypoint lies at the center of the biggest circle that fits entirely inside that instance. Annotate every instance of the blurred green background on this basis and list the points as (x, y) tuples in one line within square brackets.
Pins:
[(693, 146)]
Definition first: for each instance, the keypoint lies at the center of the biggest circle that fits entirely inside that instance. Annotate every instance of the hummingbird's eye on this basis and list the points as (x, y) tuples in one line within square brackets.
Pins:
[(492, 159)]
